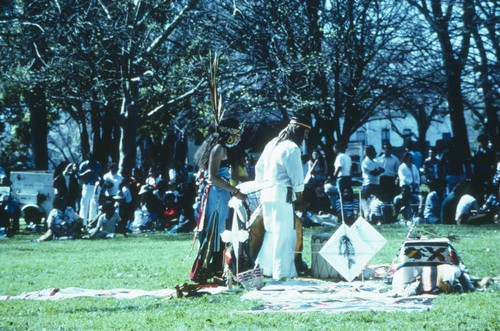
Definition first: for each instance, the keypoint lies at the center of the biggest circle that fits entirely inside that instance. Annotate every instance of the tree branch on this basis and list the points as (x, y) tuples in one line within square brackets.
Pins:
[(170, 27)]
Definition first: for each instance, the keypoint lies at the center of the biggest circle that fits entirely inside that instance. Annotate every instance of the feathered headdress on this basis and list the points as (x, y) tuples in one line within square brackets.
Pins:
[(215, 98)]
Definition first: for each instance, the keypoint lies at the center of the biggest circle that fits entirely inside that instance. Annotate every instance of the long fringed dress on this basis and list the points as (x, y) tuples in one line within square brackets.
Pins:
[(211, 223)]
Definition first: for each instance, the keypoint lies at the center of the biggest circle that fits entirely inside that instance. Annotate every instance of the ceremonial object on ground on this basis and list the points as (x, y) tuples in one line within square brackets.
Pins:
[(415, 255), (350, 249), (346, 252)]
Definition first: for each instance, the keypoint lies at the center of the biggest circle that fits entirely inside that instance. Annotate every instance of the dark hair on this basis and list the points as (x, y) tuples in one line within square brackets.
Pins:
[(202, 155), (229, 123), (341, 147), (59, 203), (406, 157), (60, 168), (483, 139), (107, 206), (370, 151), (320, 155)]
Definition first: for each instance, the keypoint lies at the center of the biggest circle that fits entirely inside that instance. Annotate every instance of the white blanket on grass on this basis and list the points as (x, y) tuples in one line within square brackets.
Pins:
[(75, 292)]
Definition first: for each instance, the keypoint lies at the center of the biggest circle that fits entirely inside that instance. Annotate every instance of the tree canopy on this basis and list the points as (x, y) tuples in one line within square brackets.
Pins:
[(118, 77)]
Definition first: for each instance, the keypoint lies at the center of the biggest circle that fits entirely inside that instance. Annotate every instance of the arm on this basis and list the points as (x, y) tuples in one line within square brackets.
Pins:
[(214, 161), (338, 167)]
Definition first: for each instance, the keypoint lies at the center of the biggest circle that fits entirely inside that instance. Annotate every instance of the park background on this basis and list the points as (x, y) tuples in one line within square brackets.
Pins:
[(125, 79)]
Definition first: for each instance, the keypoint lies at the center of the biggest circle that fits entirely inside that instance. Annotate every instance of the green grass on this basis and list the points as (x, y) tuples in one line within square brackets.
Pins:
[(155, 260)]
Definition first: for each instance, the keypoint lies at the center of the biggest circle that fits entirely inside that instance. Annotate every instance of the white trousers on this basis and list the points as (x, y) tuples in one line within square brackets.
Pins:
[(277, 255), (89, 204)]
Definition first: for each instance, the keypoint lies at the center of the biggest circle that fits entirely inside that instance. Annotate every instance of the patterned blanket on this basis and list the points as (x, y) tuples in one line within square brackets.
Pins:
[(320, 296)]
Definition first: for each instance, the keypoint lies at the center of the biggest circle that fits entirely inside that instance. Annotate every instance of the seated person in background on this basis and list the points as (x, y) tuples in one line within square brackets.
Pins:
[(349, 205), (106, 223), (406, 203), (432, 209), (62, 222), (146, 216), (375, 209), (10, 212), (331, 192), (449, 204), (469, 211)]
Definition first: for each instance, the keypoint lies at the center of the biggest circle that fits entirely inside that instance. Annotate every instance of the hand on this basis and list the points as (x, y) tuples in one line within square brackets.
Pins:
[(240, 195)]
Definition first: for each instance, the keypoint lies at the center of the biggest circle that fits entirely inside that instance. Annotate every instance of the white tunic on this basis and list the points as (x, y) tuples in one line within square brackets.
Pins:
[(278, 168)]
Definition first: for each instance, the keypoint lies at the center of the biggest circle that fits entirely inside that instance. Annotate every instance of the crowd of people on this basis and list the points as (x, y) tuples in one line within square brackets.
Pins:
[(444, 188), (94, 202)]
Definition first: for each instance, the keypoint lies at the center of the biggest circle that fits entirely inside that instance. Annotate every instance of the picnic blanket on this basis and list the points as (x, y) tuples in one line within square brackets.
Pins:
[(320, 296), (75, 292)]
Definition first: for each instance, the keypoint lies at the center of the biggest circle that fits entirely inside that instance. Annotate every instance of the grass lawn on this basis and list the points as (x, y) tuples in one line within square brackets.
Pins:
[(153, 261)]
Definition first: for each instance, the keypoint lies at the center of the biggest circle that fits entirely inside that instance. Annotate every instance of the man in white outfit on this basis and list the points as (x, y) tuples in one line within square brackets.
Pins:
[(90, 172), (279, 171)]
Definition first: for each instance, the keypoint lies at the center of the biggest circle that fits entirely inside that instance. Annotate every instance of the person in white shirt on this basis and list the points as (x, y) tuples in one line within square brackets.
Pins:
[(371, 171), (390, 163), (280, 174), (468, 210), (408, 173), (112, 181), (343, 164)]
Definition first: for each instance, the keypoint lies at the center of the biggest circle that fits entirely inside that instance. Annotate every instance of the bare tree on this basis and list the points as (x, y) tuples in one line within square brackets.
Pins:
[(452, 25)]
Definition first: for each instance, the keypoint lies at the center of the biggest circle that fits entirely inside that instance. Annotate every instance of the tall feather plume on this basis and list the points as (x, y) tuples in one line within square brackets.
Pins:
[(215, 99)]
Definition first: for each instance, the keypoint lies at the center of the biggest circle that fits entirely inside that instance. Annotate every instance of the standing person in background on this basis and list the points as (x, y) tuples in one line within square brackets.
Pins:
[(416, 156), (342, 164), (74, 189), (279, 171), (212, 159), (113, 181), (483, 166), (60, 188), (390, 163), (371, 171), (453, 165), (431, 171), (316, 168), (408, 174), (90, 172)]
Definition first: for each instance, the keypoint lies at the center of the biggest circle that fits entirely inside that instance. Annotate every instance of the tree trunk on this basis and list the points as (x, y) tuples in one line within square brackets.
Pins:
[(456, 107), (39, 129), (453, 71), (128, 143), (492, 125)]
